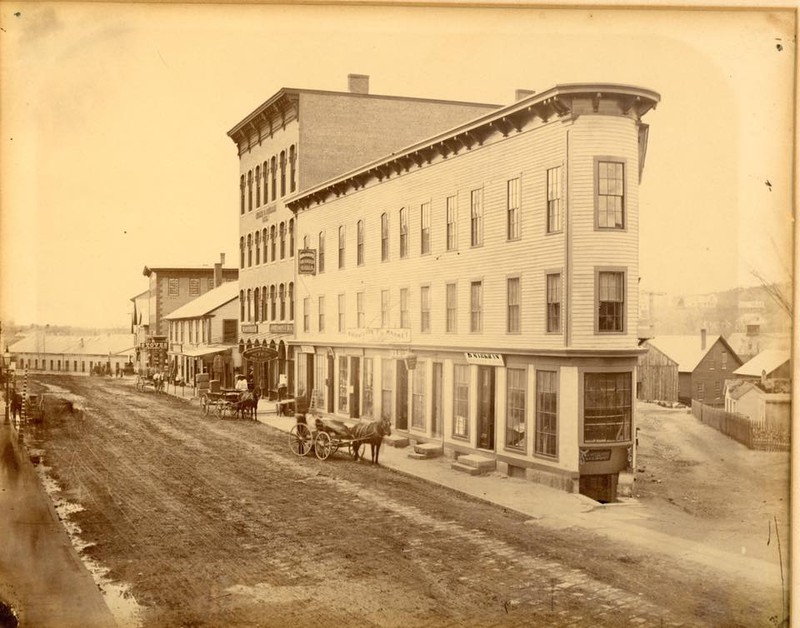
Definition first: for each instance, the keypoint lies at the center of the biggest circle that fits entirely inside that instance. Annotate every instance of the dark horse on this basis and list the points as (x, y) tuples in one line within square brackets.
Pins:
[(372, 433), (247, 405)]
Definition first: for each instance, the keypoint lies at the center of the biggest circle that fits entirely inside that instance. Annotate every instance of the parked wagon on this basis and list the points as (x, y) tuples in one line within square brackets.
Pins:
[(223, 403), (156, 382), (330, 435)]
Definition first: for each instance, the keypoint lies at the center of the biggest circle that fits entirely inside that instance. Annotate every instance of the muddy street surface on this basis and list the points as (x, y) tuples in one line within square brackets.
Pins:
[(216, 523)]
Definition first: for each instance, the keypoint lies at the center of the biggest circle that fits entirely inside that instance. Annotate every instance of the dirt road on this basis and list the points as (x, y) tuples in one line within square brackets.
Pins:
[(214, 523)]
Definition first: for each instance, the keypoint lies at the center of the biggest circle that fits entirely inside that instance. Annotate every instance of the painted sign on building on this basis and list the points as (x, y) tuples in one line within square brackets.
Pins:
[(307, 261), (485, 359), (281, 328), (249, 329), (380, 335)]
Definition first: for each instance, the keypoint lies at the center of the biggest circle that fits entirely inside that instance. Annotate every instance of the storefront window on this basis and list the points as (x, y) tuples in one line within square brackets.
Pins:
[(418, 397), (461, 400), (367, 384), (546, 412), (606, 407), (343, 383), (515, 418), (387, 375)]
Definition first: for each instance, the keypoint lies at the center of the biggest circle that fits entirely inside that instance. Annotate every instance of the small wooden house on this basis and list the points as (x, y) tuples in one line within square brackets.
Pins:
[(657, 376)]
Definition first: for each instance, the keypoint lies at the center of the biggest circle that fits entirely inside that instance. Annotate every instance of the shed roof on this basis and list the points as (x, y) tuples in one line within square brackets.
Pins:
[(766, 361), (108, 344), (207, 302)]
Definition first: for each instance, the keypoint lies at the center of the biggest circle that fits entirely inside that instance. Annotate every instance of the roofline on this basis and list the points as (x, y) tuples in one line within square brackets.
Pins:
[(171, 315), (296, 91), (148, 270), (550, 98)]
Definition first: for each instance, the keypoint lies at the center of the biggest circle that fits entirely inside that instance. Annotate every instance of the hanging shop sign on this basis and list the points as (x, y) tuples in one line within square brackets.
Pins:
[(307, 261), (281, 328), (260, 354), (485, 359), (249, 329), (594, 455)]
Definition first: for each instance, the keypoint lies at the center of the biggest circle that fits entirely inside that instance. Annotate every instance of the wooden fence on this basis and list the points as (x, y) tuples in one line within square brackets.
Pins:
[(740, 428)]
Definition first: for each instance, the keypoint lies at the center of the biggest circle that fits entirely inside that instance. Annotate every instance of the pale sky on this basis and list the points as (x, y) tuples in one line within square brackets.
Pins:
[(114, 120)]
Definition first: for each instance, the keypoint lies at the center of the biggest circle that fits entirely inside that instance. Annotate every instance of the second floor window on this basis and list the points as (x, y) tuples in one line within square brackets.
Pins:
[(306, 314), (384, 237), (341, 313), (513, 323), (425, 228), (610, 301), (292, 168), (360, 310), (249, 250), (512, 209), (476, 306), (610, 199), (321, 314), (450, 318), (283, 240), (404, 308), (273, 242), (425, 308), (452, 242), (360, 243), (321, 253), (554, 303), (384, 308), (341, 246)]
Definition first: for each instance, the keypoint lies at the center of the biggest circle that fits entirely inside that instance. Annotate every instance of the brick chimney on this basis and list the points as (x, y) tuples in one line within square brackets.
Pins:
[(519, 94), (358, 83), (702, 340), (218, 270)]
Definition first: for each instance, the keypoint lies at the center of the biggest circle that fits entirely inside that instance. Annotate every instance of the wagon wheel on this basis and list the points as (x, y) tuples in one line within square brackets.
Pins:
[(221, 410), (300, 441), (323, 446)]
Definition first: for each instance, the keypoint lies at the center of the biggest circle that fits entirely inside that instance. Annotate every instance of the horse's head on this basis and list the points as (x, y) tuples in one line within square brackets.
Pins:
[(385, 426)]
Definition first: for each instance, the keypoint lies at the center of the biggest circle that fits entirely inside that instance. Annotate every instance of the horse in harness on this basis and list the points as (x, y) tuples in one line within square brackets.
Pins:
[(372, 433)]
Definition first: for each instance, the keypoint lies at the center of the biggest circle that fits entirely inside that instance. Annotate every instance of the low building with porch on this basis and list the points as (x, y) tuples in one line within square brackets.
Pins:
[(202, 337), (107, 354)]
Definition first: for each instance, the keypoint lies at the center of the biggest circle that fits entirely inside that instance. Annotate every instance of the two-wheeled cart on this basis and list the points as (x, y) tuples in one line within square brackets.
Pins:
[(328, 436)]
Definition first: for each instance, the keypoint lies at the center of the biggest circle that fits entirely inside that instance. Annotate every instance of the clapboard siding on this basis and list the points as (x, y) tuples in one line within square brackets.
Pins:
[(591, 137)]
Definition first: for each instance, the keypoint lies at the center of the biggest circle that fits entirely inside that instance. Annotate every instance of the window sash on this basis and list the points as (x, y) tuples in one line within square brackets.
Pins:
[(512, 208), (513, 322), (451, 223), (476, 306), (321, 313), (384, 308), (611, 301), (461, 400), (424, 308), (360, 243), (343, 389), (554, 303), (516, 428), (425, 228), (451, 307), (341, 312), (476, 217), (384, 237), (607, 407), (403, 232), (610, 195), (341, 246), (546, 437), (418, 397), (554, 214)]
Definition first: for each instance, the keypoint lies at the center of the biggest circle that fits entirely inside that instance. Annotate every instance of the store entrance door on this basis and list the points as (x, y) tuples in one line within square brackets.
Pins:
[(402, 396), (486, 407)]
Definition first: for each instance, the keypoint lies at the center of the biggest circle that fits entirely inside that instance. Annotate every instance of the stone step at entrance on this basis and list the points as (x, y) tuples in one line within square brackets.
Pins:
[(474, 464), (395, 440), (425, 451)]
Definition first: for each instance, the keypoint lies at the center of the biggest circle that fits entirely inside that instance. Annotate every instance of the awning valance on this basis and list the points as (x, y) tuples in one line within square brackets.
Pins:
[(196, 352)]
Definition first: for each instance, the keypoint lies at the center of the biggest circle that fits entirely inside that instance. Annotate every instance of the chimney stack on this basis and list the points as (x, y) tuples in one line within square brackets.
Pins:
[(519, 94), (358, 83), (702, 339), (218, 270)]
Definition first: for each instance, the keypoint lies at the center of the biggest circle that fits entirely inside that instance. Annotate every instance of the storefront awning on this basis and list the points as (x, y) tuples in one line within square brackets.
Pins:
[(206, 350)]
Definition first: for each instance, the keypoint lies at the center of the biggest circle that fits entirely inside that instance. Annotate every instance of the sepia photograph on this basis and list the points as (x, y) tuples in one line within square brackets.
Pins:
[(396, 315)]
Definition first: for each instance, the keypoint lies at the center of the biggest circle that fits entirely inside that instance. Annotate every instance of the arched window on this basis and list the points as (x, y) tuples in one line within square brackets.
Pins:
[(241, 252), (292, 168), (360, 242), (384, 237), (264, 236), (249, 250), (241, 194), (291, 237), (321, 254), (283, 173), (272, 303), (283, 240), (249, 305), (241, 305), (264, 303), (291, 301), (273, 242), (256, 305), (250, 191), (282, 295), (258, 186), (265, 170), (258, 247), (274, 170)]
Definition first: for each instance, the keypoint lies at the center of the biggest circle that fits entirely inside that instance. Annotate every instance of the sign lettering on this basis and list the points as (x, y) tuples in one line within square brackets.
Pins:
[(281, 328), (307, 261), (401, 335), (486, 359)]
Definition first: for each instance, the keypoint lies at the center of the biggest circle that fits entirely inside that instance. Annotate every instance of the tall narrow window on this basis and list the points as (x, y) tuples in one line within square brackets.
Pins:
[(384, 308), (241, 252), (452, 241), (264, 304), (360, 310), (265, 174), (360, 243), (290, 296), (265, 239), (274, 170), (292, 168), (343, 388), (367, 383), (476, 306), (321, 253), (173, 287), (282, 296), (283, 173), (306, 314), (384, 237), (273, 242), (249, 250), (512, 318), (341, 246), (418, 397), (404, 308), (461, 400), (341, 312), (451, 308), (607, 404), (257, 245), (425, 309), (387, 376), (403, 232), (476, 217), (257, 304), (258, 186), (291, 237), (554, 303), (425, 228), (250, 191), (321, 315), (610, 195), (554, 221), (249, 305), (241, 194), (241, 305), (515, 416), (512, 209), (283, 240), (273, 303), (611, 301), (546, 413)]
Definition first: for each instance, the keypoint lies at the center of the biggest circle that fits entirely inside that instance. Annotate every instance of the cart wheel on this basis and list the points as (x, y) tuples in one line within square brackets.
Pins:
[(323, 446), (221, 410), (300, 441)]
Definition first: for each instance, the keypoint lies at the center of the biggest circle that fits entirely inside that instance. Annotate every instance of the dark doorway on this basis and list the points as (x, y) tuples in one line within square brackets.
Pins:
[(355, 395), (601, 488), (436, 409), (486, 407), (309, 376), (329, 382), (401, 421)]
